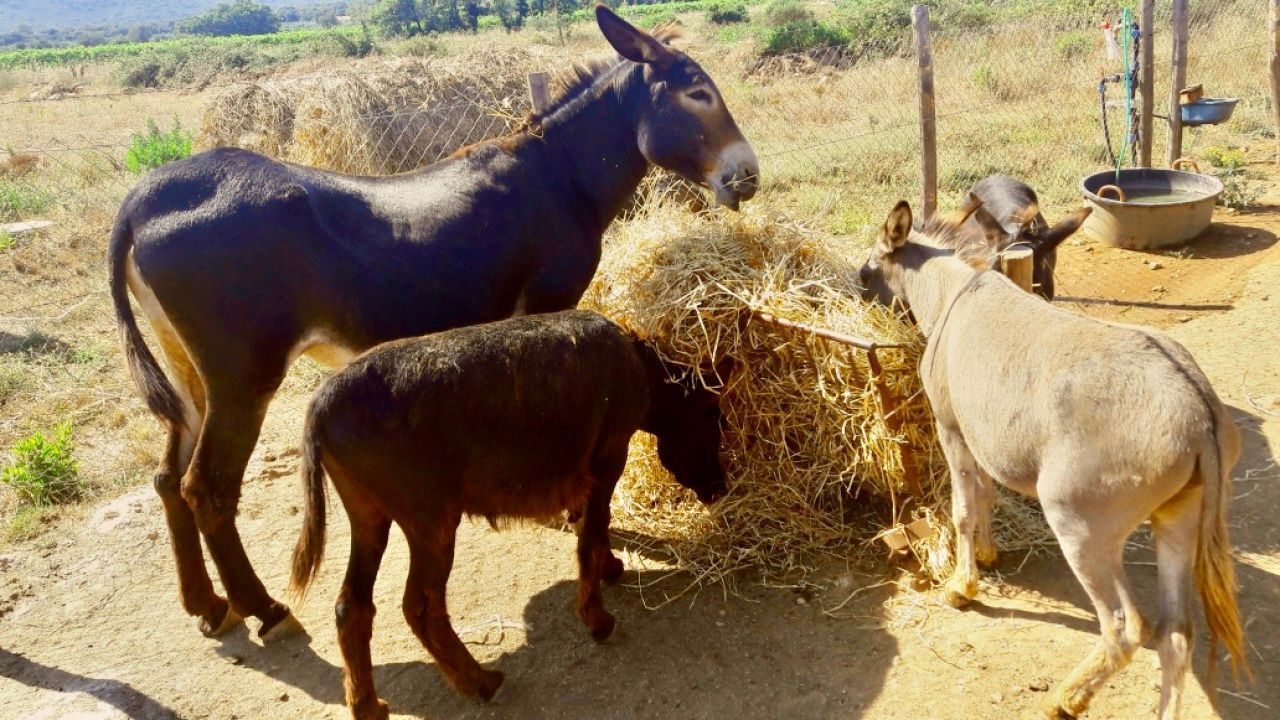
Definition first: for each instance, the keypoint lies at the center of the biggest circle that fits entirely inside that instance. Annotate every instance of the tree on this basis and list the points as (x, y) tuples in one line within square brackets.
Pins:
[(522, 11), (473, 15), (288, 14), (139, 33), (397, 18), (240, 17), (327, 19)]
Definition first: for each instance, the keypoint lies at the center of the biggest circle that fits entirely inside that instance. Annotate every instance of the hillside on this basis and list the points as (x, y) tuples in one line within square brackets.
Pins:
[(68, 14)]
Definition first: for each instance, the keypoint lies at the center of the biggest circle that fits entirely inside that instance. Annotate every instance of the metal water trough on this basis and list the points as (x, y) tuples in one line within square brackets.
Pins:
[(1207, 111), (1149, 207)]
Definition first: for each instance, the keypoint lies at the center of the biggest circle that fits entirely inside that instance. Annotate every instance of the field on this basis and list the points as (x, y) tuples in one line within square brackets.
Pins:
[(89, 621)]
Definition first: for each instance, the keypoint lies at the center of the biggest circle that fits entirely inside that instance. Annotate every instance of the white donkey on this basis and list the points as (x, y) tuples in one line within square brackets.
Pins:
[(1108, 425)]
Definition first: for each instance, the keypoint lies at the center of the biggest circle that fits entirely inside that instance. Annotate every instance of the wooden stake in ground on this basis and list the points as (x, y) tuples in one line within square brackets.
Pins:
[(1179, 78), (1147, 81), (928, 111), (539, 94), (1016, 264), (1275, 70)]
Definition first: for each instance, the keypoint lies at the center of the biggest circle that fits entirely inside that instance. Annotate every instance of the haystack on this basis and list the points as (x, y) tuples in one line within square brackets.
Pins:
[(814, 466), (379, 117)]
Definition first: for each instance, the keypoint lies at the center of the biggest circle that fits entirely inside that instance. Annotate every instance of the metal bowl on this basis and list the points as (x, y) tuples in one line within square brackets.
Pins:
[(1208, 111), (1160, 207)]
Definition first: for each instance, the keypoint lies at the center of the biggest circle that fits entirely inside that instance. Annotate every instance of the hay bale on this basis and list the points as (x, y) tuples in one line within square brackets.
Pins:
[(380, 117), (814, 467)]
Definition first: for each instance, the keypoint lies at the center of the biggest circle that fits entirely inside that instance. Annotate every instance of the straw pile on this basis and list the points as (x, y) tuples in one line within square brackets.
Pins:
[(377, 118), (814, 468)]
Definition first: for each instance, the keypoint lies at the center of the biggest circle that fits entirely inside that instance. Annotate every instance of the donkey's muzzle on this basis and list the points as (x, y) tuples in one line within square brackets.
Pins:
[(737, 176)]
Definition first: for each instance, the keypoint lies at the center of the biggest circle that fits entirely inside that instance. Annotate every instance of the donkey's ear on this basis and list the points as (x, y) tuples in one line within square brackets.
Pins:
[(896, 229), (1065, 228), (971, 204), (631, 42), (725, 367)]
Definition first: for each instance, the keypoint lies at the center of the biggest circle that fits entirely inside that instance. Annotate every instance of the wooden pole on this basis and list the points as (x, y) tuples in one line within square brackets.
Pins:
[(539, 94), (1147, 80), (1275, 70), (928, 111), (1016, 263), (1179, 79)]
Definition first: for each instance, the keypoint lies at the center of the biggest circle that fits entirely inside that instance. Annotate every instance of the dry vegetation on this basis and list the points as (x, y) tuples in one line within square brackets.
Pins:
[(837, 144)]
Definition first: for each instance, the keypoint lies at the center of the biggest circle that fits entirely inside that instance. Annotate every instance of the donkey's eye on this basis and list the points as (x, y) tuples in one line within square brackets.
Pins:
[(700, 95)]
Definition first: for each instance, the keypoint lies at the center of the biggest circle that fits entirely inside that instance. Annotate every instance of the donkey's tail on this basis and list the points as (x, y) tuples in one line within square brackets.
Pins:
[(309, 551), (1215, 573), (156, 389)]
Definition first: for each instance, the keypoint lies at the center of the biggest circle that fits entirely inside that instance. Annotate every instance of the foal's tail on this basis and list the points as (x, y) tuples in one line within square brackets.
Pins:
[(147, 375), (309, 551), (1214, 569)]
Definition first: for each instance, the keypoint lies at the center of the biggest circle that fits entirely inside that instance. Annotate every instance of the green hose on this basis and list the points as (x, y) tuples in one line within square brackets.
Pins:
[(1126, 22)]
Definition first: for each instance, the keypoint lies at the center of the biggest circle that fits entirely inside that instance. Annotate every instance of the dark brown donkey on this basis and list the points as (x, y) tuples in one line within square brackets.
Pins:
[(519, 418), (241, 264)]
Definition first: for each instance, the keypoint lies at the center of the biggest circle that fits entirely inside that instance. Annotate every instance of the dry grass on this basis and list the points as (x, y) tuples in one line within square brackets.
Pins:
[(814, 467), (377, 118)]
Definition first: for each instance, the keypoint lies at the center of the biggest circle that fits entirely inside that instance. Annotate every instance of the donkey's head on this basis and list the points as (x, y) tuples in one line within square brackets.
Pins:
[(682, 123), (1023, 228), (686, 421), (882, 275)]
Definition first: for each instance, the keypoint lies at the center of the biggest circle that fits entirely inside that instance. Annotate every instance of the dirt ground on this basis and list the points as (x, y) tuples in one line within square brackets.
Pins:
[(90, 625)]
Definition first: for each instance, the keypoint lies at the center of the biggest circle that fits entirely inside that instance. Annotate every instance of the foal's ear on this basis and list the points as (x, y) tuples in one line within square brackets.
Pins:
[(972, 203), (896, 229), (1065, 228), (631, 42)]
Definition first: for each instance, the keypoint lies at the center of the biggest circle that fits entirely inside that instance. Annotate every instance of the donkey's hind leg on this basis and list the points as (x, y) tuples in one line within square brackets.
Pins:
[(215, 614), (1177, 525), (430, 560), (212, 490), (1092, 540), (963, 584), (354, 610)]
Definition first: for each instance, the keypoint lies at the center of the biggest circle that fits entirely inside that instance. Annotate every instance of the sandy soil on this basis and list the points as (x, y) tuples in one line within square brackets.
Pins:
[(90, 626)]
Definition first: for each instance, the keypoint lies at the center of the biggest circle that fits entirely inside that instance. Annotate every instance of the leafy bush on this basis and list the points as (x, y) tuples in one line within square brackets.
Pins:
[(154, 148), (1076, 44), (44, 470), (728, 13), (780, 13), (1236, 192), (877, 22), (6, 241), (1224, 157), (803, 35), (19, 199), (241, 17)]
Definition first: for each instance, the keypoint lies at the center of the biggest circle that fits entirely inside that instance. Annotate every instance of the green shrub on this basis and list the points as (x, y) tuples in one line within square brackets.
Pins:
[(1076, 44), (728, 13), (1236, 192), (44, 470), (18, 200), (7, 240), (153, 148), (781, 13), (803, 35), (1224, 157)]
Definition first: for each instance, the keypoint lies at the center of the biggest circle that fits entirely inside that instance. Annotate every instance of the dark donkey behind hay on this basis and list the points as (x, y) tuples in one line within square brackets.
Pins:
[(519, 418), (242, 263), (1003, 211), (1108, 425)]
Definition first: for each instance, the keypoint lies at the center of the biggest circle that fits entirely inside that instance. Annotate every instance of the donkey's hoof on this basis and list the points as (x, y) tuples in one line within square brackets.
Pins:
[(282, 630), (602, 627), (987, 557), (1054, 711), (230, 618), (613, 570), (375, 710), (489, 685), (959, 593)]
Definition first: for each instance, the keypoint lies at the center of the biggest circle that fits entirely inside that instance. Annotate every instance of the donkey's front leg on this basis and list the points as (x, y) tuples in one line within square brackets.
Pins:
[(963, 585)]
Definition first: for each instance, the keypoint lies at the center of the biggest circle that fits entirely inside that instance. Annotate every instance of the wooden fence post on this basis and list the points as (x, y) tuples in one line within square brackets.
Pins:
[(1275, 70), (1179, 79), (1147, 80), (928, 112), (539, 94), (1016, 264)]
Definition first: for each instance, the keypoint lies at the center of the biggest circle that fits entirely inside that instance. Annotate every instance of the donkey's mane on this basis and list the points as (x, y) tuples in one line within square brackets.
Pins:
[(942, 231), (579, 78)]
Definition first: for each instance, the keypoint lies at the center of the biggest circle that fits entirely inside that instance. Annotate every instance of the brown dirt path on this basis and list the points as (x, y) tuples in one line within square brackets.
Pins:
[(90, 626)]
